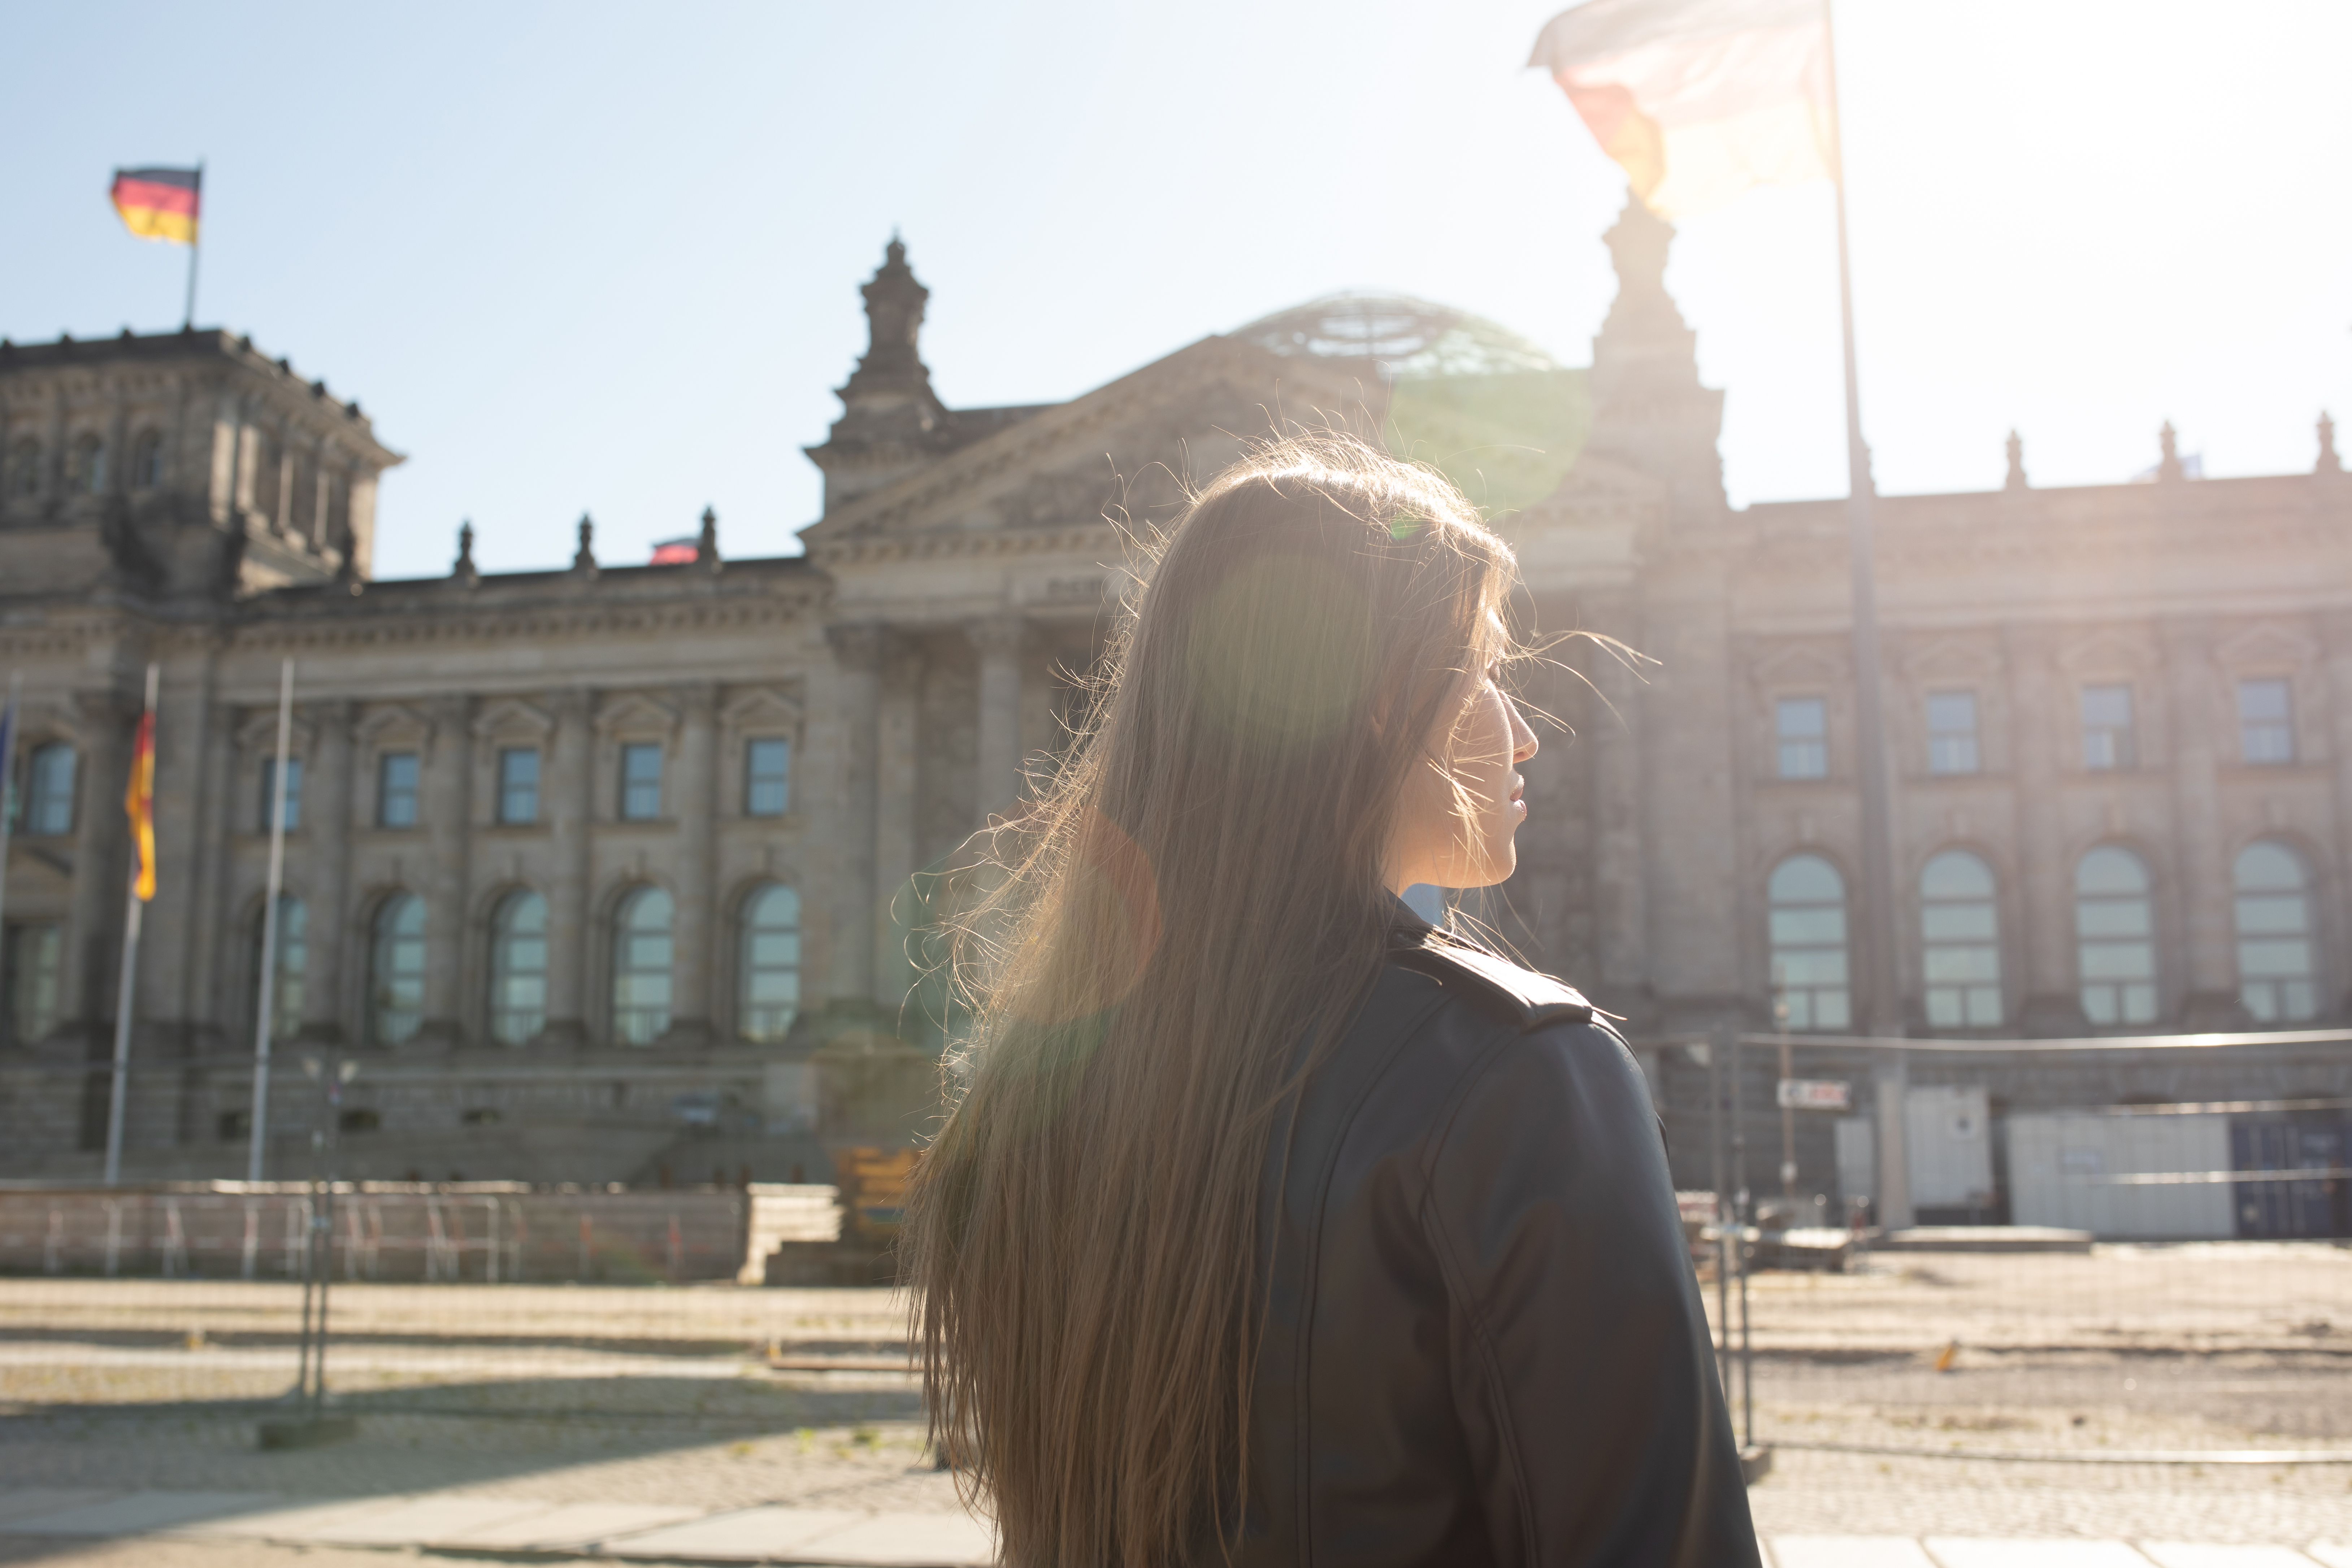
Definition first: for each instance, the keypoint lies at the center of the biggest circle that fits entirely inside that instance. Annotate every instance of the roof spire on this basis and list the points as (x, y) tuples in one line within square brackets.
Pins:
[(2016, 448), (2170, 468), (1649, 410), (706, 546), (584, 559), (2329, 463), (891, 421), (464, 570)]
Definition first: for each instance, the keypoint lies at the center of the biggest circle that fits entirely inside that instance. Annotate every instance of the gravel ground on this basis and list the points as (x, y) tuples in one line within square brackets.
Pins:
[(1854, 1494)]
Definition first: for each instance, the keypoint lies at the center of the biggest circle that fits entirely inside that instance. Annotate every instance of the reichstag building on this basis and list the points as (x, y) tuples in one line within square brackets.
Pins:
[(577, 857)]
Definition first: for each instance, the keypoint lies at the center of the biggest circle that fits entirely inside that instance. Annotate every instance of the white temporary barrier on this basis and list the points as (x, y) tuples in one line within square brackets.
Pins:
[(2122, 1176)]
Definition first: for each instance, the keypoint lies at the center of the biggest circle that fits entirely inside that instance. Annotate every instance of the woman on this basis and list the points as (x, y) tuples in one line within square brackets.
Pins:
[(1270, 1224)]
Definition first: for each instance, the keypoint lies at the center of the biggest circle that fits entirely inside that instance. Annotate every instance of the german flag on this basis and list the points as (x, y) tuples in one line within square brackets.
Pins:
[(139, 803), (1700, 101), (160, 204)]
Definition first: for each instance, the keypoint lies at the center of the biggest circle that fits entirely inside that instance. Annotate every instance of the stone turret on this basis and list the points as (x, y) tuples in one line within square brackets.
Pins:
[(185, 465), (1649, 411), (891, 422)]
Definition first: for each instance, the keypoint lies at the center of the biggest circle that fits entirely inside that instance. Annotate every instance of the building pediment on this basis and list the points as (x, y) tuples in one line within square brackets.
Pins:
[(1124, 453)]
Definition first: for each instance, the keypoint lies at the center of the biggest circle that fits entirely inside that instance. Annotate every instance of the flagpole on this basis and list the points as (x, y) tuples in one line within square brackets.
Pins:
[(1883, 1014), (8, 784), (188, 322), (263, 1012), (122, 1086)]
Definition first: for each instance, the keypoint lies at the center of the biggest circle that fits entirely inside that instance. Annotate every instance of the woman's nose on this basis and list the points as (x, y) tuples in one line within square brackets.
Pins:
[(1524, 743)]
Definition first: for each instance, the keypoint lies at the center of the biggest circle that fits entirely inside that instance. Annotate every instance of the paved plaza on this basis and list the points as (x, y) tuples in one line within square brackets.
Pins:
[(717, 1425)]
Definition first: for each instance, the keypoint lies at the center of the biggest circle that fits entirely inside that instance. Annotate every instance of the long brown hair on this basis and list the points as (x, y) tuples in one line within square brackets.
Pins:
[(1200, 892)]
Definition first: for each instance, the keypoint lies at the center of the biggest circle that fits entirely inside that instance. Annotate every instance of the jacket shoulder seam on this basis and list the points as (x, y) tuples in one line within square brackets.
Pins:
[(1529, 999)]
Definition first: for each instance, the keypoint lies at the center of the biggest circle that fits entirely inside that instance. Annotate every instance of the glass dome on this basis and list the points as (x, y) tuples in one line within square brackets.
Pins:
[(1405, 337), (1494, 413)]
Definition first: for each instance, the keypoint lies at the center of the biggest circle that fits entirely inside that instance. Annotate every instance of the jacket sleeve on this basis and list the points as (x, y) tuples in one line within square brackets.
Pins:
[(1583, 1374)]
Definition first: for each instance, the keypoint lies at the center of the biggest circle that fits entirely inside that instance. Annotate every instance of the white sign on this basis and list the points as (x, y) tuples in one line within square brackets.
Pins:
[(1814, 1094)]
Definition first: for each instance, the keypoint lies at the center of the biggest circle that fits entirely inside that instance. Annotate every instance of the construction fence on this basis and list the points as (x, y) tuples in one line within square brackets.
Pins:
[(2112, 1248)]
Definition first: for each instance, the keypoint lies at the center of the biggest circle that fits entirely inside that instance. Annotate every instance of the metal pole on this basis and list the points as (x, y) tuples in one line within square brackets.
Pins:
[(1722, 1264), (1788, 1121), (1883, 1009), (337, 1074), (8, 786), (309, 1251), (188, 321), (118, 1092), (1741, 1211), (265, 1010)]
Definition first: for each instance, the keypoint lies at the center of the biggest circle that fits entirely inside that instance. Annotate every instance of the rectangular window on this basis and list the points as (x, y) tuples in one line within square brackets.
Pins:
[(1802, 725), (2265, 722), (767, 774), (519, 785), (1951, 731), (641, 766), (395, 795), (293, 792), (31, 959), (2107, 739)]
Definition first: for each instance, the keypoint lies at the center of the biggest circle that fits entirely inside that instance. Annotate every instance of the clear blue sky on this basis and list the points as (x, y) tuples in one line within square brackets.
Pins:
[(605, 257)]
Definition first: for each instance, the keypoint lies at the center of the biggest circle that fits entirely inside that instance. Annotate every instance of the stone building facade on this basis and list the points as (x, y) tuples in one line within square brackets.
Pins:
[(587, 866)]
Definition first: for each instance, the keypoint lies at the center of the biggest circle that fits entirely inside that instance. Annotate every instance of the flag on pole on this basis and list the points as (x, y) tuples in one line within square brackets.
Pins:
[(8, 767), (140, 802), (160, 204), (1700, 101)]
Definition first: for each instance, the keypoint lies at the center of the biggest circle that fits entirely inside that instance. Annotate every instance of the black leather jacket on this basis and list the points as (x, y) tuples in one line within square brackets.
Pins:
[(1483, 1343)]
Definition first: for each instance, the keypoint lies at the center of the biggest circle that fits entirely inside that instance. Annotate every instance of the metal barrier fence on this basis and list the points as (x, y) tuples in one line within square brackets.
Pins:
[(2010, 1248), (486, 1299), (2111, 1248)]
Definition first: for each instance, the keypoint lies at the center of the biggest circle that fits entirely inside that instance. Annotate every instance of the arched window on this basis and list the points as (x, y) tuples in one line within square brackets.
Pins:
[(519, 968), (24, 469), (30, 959), (147, 460), (286, 981), (770, 985), (2114, 937), (641, 958), (1959, 941), (1810, 987), (86, 469), (49, 792), (2277, 977), (396, 971)]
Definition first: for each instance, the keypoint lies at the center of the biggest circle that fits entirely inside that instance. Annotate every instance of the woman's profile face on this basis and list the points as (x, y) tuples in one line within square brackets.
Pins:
[(1457, 821)]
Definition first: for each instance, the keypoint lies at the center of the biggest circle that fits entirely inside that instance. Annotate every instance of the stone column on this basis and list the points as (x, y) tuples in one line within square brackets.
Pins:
[(2337, 632), (898, 738), (334, 944), (857, 696), (2198, 722), (1619, 904), (2051, 1005), (207, 922), (999, 644), (447, 781), (569, 802), (86, 981), (696, 870)]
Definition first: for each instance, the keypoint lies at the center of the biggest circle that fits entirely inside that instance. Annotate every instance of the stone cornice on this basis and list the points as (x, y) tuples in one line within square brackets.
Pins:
[(868, 550), (214, 356)]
